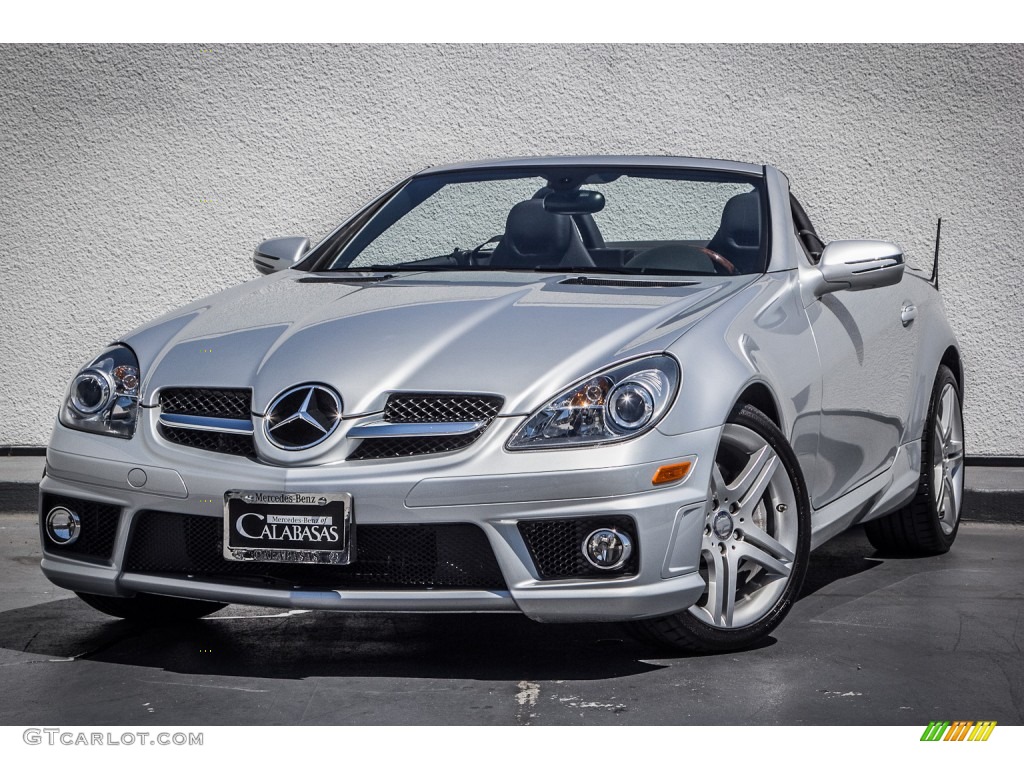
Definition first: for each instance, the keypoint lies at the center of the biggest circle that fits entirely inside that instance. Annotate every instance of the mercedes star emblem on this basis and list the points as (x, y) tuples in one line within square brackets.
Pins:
[(302, 417)]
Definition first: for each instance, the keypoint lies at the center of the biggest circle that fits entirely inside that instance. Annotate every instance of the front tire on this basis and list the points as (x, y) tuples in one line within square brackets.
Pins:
[(153, 609), (929, 524), (756, 543)]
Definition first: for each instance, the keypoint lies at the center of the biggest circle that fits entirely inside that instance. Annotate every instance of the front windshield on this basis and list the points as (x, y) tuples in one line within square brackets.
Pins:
[(618, 220)]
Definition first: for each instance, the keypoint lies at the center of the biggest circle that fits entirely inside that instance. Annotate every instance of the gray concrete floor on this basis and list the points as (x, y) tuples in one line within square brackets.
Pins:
[(21, 469), (871, 641)]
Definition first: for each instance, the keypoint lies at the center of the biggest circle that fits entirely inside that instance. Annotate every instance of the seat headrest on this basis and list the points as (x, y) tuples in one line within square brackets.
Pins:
[(741, 220), (534, 232)]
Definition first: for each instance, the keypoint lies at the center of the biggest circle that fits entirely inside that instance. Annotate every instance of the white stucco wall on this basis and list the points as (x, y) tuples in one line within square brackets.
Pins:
[(136, 178)]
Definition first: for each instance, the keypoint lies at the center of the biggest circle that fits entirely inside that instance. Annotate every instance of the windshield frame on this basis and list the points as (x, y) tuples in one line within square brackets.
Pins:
[(332, 249)]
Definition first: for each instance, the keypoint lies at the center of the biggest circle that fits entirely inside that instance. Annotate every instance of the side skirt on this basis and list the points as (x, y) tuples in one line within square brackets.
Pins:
[(878, 496)]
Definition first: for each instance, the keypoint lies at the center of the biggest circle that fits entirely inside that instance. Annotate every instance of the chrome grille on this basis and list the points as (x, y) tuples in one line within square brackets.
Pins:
[(426, 409), (405, 409), (214, 403), (218, 403)]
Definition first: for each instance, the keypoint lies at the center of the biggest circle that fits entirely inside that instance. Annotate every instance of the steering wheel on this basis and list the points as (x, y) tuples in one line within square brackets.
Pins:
[(677, 256), (473, 257), (719, 261)]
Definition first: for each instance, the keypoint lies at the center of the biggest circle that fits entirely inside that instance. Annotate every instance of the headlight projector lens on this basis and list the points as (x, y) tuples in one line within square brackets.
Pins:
[(104, 396), (630, 405), (90, 392), (63, 526), (607, 549), (617, 403)]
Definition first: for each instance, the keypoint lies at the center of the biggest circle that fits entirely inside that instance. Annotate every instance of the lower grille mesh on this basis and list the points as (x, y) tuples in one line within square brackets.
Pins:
[(556, 546), (396, 447), (220, 442), (99, 528), (442, 556)]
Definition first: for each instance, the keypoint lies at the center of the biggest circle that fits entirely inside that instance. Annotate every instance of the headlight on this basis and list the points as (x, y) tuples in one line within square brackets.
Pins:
[(609, 406), (104, 396)]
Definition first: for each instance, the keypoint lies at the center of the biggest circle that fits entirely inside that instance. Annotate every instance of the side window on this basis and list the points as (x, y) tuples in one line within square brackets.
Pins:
[(805, 232)]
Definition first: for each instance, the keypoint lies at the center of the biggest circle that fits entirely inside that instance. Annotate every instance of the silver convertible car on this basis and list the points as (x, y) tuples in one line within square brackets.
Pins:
[(636, 389)]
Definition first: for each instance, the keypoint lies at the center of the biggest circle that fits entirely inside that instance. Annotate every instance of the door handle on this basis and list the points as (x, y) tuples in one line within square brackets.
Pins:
[(908, 315)]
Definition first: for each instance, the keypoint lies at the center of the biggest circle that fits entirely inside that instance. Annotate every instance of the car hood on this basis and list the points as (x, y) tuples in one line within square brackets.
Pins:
[(522, 336)]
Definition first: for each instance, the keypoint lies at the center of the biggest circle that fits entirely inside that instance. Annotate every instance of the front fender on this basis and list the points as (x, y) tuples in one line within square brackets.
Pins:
[(760, 335)]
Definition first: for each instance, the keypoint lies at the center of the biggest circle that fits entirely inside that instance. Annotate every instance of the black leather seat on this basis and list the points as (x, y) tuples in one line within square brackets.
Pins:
[(739, 235), (535, 237)]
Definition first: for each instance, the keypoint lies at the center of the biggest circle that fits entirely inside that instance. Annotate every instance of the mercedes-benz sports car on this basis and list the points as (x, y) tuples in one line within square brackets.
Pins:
[(634, 389)]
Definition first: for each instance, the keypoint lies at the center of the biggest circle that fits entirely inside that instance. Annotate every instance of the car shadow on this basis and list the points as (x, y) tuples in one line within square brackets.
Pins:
[(842, 557), (253, 642)]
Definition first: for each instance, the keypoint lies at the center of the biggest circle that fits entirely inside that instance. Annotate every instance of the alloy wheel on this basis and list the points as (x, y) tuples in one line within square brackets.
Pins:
[(948, 459), (751, 532)]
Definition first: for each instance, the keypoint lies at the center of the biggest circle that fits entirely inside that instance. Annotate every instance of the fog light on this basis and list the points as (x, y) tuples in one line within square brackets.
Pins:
[(607, 548), (63, 526)]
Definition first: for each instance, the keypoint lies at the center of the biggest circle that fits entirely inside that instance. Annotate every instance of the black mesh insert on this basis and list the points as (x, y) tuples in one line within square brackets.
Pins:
[(220, 442), (396, 447), (440, 556), (556, 546), (99, 528), (218, 403), (404, 409)]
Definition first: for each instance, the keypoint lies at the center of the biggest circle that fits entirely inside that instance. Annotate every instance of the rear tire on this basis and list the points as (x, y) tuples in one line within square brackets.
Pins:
[(929, 524), (756, 543), (154, 609)]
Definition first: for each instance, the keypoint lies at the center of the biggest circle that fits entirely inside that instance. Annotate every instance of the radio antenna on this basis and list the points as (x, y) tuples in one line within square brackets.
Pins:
[(935, 261)]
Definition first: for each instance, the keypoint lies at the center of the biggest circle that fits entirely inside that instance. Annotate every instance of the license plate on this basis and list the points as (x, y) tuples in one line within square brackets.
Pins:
[(288, 527)]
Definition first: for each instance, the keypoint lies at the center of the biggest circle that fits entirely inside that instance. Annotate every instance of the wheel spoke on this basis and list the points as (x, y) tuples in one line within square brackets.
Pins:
[(949, 499), (721, 588), (750, 485), (946, 415), (954, 450), (775, 566), (761, 540), (940, 501), (718, 486)]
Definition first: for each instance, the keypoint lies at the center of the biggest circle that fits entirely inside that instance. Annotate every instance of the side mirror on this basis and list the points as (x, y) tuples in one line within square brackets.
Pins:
[(279, 253), (856, 265)]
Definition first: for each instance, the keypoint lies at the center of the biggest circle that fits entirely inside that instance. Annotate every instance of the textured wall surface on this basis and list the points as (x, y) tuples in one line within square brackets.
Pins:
[(137, 178)]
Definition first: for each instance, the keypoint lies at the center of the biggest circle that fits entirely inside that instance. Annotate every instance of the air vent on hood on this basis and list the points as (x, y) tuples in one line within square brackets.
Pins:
[(626, 283), (346, 279)]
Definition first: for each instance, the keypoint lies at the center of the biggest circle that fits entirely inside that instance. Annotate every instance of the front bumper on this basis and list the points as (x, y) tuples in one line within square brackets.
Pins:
[(483, 485)]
